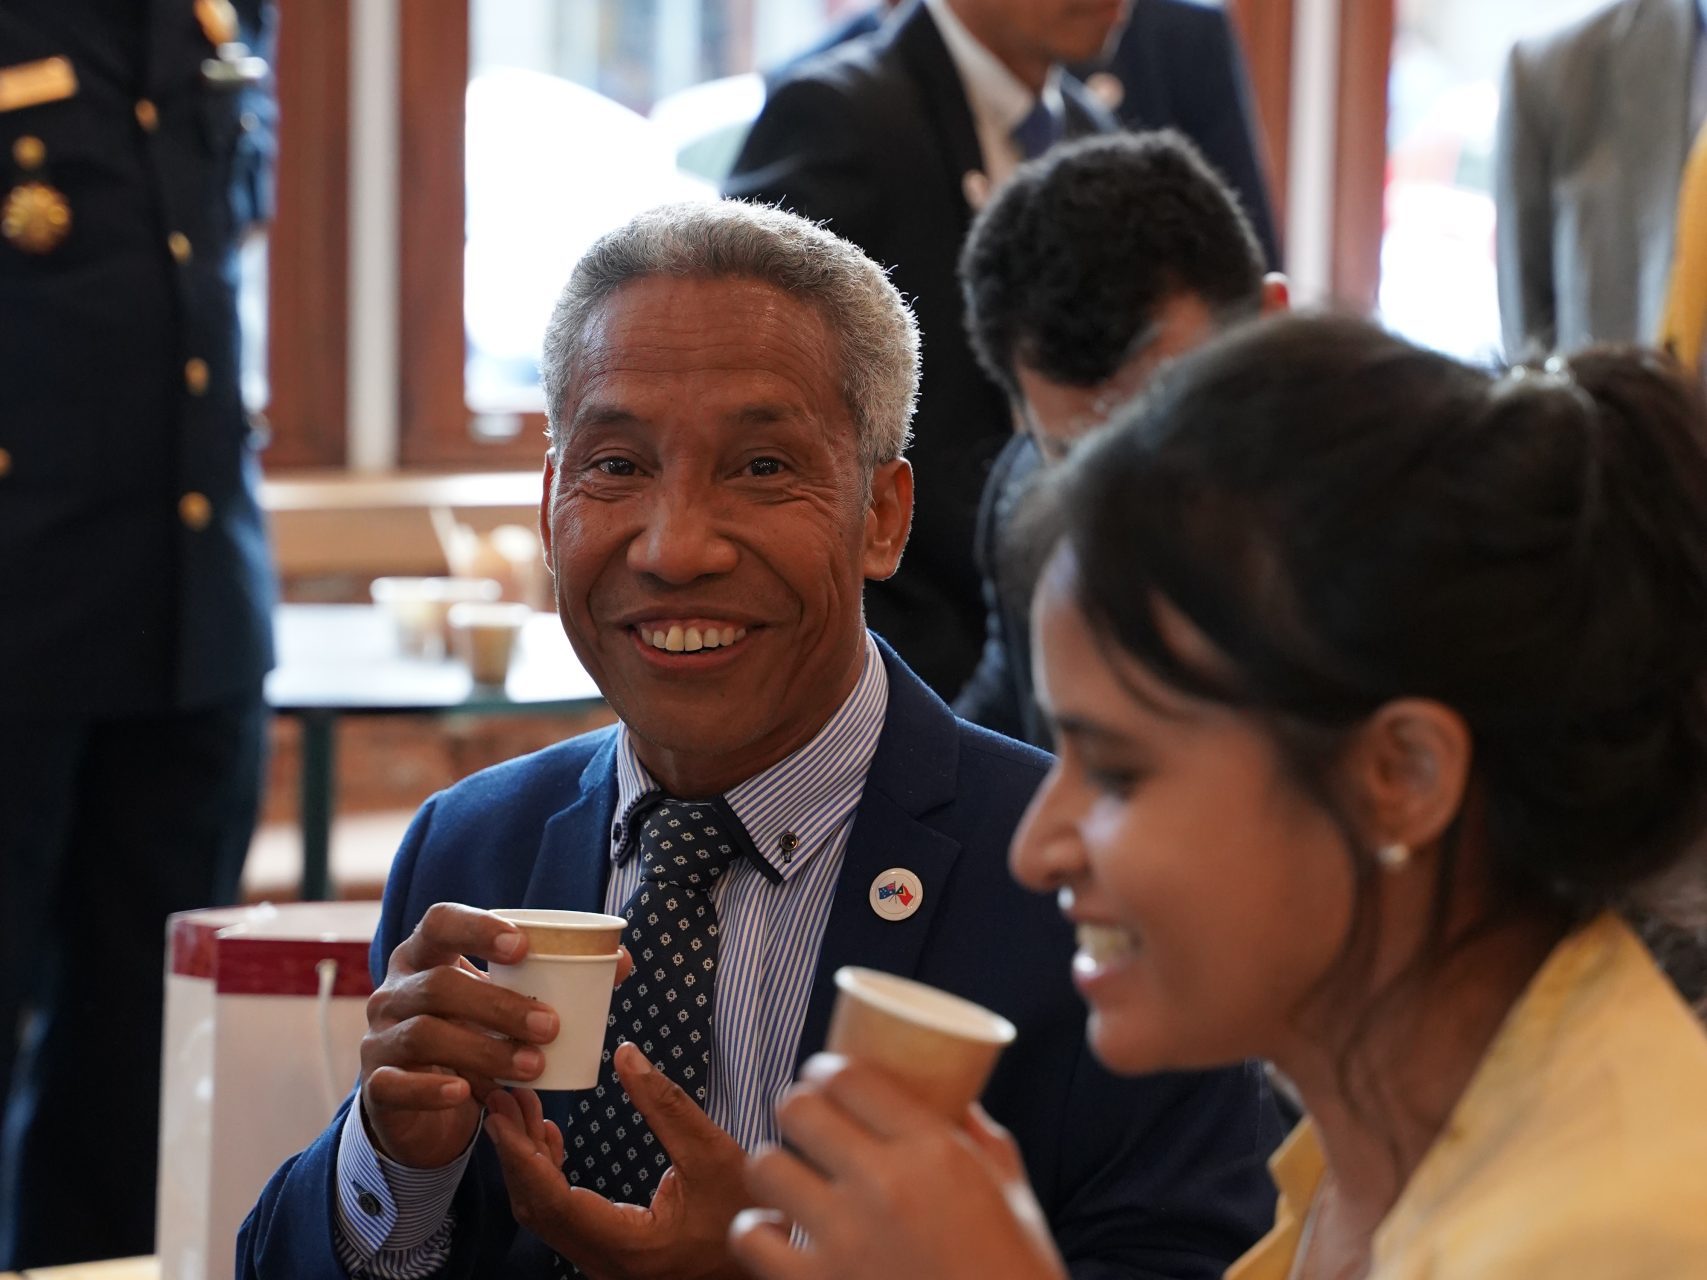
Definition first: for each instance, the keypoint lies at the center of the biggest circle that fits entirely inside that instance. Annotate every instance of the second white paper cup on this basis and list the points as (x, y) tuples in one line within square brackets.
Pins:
[(579, 989)]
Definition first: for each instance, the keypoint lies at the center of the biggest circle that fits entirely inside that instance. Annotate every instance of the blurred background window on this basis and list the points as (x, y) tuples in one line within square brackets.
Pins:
[(252, 319), (580, 114), (1437, 248)]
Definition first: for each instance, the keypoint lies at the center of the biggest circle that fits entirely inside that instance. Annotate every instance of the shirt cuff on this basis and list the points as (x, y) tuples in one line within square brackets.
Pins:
[(383, 1205)]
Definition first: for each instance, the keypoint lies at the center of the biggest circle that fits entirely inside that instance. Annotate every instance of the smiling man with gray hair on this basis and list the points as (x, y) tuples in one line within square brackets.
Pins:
[(729, 390)]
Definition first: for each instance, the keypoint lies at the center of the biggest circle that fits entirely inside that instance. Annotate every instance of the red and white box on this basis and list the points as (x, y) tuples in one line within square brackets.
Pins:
[(265, 1011)]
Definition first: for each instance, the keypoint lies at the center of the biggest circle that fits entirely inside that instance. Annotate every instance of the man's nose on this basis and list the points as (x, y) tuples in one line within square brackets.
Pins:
[(683, 537)]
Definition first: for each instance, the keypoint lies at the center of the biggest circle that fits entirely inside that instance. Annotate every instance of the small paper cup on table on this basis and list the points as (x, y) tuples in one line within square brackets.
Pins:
[(939, 1047), (570, 965), (419, 607), (483, 634)]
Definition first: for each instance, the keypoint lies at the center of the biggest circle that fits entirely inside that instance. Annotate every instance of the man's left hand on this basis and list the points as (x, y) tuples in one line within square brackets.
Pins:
[(683, 1233)]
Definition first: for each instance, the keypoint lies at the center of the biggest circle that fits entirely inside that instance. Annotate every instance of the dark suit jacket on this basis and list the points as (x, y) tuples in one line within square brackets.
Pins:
[(876, 138), (1155, 1177), (1180, 65), (1000, 694), (861, 23)]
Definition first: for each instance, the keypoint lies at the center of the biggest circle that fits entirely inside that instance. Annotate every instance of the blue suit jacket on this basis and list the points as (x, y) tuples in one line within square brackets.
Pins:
[(1156, 1177)]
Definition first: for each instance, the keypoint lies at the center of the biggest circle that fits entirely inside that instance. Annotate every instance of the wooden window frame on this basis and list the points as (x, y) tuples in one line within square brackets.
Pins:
[(1366, 30), (308, 241), (1265, 30), (1364, 66), (433, 427)]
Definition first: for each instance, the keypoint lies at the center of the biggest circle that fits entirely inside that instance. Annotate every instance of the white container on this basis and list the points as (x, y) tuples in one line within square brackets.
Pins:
[(578, 988)]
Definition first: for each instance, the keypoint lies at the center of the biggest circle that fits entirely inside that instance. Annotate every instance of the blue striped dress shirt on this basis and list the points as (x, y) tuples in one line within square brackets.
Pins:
[(394, 1222)]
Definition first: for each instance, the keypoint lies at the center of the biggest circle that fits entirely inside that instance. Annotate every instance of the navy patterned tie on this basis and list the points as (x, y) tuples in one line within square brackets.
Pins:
[(1039, 131), (665, 1007)]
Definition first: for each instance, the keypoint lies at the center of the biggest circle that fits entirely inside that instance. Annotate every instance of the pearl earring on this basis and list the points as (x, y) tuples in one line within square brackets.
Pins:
[(1393, 856)]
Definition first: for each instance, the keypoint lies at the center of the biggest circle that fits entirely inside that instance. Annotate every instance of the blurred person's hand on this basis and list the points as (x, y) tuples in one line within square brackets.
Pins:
[(883, 1187)]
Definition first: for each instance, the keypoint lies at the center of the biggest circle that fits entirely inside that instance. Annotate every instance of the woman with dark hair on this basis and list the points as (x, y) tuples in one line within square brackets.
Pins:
[(1378, 681)]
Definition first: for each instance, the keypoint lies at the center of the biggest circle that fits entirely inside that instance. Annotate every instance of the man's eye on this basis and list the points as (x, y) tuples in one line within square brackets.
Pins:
[(765, 467), (614, 467)]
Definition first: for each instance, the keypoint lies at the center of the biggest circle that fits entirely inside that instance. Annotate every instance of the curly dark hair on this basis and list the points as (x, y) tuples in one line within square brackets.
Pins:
[(1064, 268)]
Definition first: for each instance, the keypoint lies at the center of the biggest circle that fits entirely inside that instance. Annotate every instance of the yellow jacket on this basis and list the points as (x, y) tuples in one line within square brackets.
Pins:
[(1578, 1151)]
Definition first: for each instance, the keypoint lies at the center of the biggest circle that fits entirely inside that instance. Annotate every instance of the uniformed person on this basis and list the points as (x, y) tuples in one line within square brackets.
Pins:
[(135, 585)]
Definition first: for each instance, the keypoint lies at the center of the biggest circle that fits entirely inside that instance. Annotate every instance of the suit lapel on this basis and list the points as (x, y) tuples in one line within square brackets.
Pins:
[(916, 46), (1084, 114), (573, 865), (912, 774)]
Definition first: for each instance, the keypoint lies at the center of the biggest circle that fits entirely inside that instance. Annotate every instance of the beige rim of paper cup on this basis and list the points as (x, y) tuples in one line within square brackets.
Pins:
[(581, 933), (955, 1017)]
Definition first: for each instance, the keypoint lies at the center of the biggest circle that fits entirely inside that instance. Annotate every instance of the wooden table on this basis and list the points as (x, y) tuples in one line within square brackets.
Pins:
[(338, 660)]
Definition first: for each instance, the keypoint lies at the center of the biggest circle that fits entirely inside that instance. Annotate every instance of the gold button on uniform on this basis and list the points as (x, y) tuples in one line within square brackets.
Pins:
[(5, 463), (195, 511), (35, 217), (29, 152), (146, 115), (179, 244), (195, 375)]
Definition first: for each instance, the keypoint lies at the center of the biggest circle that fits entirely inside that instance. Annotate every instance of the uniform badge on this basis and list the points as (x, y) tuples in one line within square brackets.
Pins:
[(30, 84), (36, 217)]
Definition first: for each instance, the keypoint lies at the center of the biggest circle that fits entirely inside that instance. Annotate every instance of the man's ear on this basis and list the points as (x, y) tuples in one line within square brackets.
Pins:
[(1410, 770), (888, 517), (1276, 294), (545, 509)]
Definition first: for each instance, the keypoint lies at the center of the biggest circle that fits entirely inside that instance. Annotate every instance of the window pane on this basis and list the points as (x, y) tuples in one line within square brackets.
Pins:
[(1437, 255), (582, 113)]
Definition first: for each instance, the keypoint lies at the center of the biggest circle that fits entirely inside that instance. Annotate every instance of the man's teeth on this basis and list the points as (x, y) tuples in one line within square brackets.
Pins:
[(679, 639), (1103, 943)]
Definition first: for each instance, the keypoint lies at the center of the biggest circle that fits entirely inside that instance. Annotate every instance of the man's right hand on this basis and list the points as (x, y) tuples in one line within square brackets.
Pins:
[(440, 1033)]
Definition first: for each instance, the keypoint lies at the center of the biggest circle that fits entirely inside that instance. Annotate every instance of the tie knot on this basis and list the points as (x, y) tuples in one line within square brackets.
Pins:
[(1038, 131), (686, 842)]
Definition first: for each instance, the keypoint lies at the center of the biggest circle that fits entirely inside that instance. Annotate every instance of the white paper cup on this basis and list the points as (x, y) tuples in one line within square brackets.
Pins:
[(484, 636), (418, 606), (578, 988), (939, 1047)]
